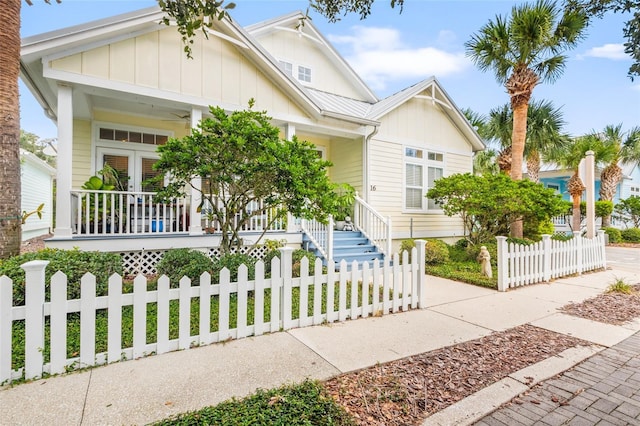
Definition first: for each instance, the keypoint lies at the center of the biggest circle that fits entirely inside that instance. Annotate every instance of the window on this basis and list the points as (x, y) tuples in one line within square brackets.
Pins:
[(635, 191), (417, 182), (134, 137), (554, 187), (287, 67), (304, 74)]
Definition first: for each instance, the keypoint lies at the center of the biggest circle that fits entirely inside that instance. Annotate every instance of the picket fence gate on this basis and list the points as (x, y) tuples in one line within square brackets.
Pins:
[(378, 290), (520, 264)]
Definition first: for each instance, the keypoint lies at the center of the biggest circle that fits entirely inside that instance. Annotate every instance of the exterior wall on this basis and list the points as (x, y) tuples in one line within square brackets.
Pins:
[(289, 47), (37, 188), (346, 156), (626, 186), (157, 60), (81, 156)]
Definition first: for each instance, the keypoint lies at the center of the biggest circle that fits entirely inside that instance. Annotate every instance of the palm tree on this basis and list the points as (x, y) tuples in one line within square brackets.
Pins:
[(625, 151), (524, 50), (570, 158), (484, 162), (544, 126), (10, 217), (499, 128)]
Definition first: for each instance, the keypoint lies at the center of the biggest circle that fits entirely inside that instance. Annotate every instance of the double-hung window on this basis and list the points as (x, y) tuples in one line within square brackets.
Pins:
[(422, 170)]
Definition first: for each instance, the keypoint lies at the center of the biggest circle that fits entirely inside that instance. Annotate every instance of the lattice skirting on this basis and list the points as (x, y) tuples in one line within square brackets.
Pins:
[(144, 261)]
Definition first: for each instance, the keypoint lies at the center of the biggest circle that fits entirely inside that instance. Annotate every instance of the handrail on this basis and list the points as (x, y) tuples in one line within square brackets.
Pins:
[(373, 225), (320, 235)]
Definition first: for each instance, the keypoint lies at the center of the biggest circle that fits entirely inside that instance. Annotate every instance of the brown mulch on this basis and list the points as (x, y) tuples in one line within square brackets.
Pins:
[(610, 308), (406, 391), (34, 244)]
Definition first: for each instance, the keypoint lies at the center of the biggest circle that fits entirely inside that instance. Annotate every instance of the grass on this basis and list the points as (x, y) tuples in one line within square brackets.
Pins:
[(620, 286), (302, 404), (461, 268)]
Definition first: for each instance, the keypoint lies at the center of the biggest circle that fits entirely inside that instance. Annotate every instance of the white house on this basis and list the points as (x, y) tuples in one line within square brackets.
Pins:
[(120, 86), (37, 188)]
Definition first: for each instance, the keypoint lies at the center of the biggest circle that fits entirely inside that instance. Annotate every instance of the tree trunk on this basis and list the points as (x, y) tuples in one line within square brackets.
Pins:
[(517, 153), (533, 166), (609, 179), (575, 188), (10, 204)]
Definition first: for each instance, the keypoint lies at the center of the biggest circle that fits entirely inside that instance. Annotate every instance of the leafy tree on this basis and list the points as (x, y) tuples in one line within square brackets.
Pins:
[(630, 208), (247, 171), (485, 162), (631, 30), (489, 204), (625, 148), (32, 143), (524, 50)]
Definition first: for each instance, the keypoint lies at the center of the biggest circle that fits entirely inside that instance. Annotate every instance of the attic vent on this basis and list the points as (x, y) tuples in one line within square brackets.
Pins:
[(130, 136)]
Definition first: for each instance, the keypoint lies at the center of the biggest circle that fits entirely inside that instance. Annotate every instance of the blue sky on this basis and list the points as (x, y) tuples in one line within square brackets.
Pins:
[(393, 50)]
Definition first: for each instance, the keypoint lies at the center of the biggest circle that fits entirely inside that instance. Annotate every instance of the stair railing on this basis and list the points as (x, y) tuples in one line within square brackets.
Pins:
[(373, 225), (320, 234)]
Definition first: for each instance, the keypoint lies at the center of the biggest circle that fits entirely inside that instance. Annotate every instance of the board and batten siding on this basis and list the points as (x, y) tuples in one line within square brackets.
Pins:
[(217, 72), (37, 188), (81, 154), (346, 156), (325, 76)]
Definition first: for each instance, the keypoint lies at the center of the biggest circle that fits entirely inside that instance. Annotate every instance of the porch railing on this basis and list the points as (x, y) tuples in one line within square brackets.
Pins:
[(320, 235), (270, 219), (122, 212), (372, 225)]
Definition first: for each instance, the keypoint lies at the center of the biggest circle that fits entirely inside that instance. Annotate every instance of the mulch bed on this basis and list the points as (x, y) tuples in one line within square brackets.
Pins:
[(610, 308), (406, 391)]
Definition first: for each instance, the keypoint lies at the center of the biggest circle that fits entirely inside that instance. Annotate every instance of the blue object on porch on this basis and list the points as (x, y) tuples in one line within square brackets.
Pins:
[(157, 226), (349, 246)]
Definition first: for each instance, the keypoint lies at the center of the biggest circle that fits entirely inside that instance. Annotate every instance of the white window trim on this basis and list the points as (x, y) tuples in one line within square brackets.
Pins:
[(425, 163), (294, 70)]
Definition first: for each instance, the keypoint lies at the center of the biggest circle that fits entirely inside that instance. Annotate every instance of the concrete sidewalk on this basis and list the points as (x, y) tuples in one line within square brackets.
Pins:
[(149, 389)]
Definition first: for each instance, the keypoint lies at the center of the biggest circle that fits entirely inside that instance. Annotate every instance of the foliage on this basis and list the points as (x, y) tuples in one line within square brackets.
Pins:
[(435, 251), (32, 143), (191, 16), (630, 208), (631, 235), (333, 9), (619, 285), (344, 200), (296, 257), (614, 234), (184, 262), (631, 30), (489, 204), (562, 236), (307, 403), (472, 252), (274, 244), (247, 171), (232, 262), (467, 272), (74, 263)]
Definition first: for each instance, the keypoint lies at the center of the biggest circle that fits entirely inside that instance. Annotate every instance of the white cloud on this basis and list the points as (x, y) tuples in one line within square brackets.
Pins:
[(380, 56), (607, 51)]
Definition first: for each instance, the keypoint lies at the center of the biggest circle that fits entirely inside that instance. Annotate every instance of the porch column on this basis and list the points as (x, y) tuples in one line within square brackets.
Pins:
[(64, 169), (195, 224), (293, 224), (289, 131)]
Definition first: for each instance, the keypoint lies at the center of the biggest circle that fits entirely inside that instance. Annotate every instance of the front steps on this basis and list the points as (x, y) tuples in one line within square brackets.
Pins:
[(348, 246)]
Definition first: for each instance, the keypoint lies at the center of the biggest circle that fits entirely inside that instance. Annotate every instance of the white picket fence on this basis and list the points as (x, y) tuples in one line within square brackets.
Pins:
[(520, 265), (361, 291)]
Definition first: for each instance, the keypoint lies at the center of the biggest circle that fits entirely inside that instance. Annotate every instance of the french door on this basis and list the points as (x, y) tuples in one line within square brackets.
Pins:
[(135, 168)]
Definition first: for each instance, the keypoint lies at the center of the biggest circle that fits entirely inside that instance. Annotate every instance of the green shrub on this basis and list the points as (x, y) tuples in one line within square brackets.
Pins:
[(307, 403), (615, 236), (296, 256), (232, 262), (521, 241), (631, 235), (73, 263), (462, 243), (436, 252), (183, 262)]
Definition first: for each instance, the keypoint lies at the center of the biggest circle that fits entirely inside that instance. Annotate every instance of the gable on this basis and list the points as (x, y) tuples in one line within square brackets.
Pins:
[(310, 53), (421, 122), (218, 72)]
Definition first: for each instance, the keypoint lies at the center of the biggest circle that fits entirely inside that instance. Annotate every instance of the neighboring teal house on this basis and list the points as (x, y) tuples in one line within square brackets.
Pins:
[(553, 177)]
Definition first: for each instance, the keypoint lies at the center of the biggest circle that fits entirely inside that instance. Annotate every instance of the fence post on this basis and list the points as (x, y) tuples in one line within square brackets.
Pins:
[(389, 237), (286, 274), (330, 239), (546, 257), (602, 239), (578, 238), (34, 317), (6, 326), (503, 264), (422, 278)]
